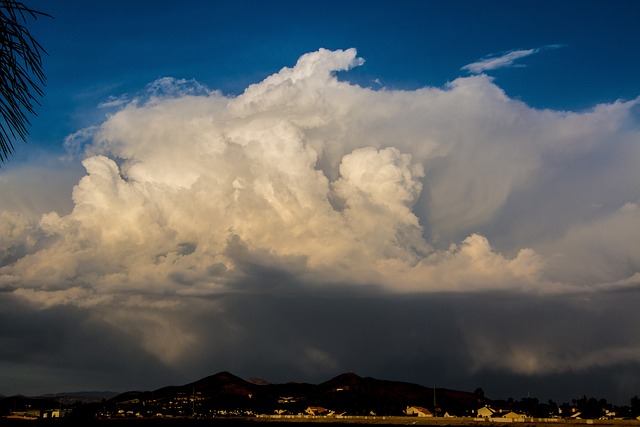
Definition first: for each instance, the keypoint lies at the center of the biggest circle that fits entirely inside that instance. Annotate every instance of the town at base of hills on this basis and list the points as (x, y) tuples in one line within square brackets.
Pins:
[(347, 397)]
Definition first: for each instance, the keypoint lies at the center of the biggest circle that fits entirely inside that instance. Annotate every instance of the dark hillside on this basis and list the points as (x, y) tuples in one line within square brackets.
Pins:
[(348, 393)]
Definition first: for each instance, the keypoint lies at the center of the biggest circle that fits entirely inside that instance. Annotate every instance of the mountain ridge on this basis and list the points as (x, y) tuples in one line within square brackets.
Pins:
[(344, 393)]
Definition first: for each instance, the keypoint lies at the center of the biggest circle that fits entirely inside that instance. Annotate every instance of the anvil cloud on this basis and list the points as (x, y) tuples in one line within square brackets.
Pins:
[(197, 206)]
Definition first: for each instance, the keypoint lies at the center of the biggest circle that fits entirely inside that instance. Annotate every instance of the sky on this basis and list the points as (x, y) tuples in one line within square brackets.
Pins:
[(440, 192)]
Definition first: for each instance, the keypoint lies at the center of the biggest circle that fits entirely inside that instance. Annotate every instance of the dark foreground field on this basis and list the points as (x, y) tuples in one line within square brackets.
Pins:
[(304, 422)]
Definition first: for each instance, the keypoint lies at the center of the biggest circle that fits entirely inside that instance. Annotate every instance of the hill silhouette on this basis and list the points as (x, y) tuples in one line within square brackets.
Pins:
[(345, 393)]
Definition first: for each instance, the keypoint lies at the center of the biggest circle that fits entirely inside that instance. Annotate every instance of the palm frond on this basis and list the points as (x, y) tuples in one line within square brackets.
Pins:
[(21, 73)]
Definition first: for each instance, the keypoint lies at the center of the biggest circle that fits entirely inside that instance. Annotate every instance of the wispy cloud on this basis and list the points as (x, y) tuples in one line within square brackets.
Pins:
[(504, 59), (114, 101)]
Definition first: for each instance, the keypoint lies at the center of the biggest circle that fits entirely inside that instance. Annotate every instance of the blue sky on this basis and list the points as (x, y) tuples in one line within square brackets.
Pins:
[(438, 192), (107, 49)]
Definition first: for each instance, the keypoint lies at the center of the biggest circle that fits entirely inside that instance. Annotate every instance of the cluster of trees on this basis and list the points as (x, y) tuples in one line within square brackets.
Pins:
[(588, 407)]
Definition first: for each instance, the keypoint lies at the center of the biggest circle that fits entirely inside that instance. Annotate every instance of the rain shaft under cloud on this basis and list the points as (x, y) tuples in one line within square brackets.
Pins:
[(307, 185)]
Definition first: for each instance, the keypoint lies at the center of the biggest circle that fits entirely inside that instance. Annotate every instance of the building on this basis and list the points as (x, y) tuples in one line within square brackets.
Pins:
[(418, 411), (513, 416), (317, 410), (485, 412)]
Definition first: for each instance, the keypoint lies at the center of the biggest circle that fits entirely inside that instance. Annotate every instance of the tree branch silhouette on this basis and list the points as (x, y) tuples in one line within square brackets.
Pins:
[(21, 73)]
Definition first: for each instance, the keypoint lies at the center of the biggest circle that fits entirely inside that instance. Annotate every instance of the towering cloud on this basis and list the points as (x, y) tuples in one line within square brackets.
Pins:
[(306, 182)]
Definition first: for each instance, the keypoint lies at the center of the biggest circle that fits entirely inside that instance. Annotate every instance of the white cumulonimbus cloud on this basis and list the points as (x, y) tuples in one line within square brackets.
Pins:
[(306, 182), (336, 183)]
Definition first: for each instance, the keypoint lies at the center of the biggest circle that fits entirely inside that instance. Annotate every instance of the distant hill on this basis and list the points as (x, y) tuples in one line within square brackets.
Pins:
[(12, 403), (81, 396), (346, 393)]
